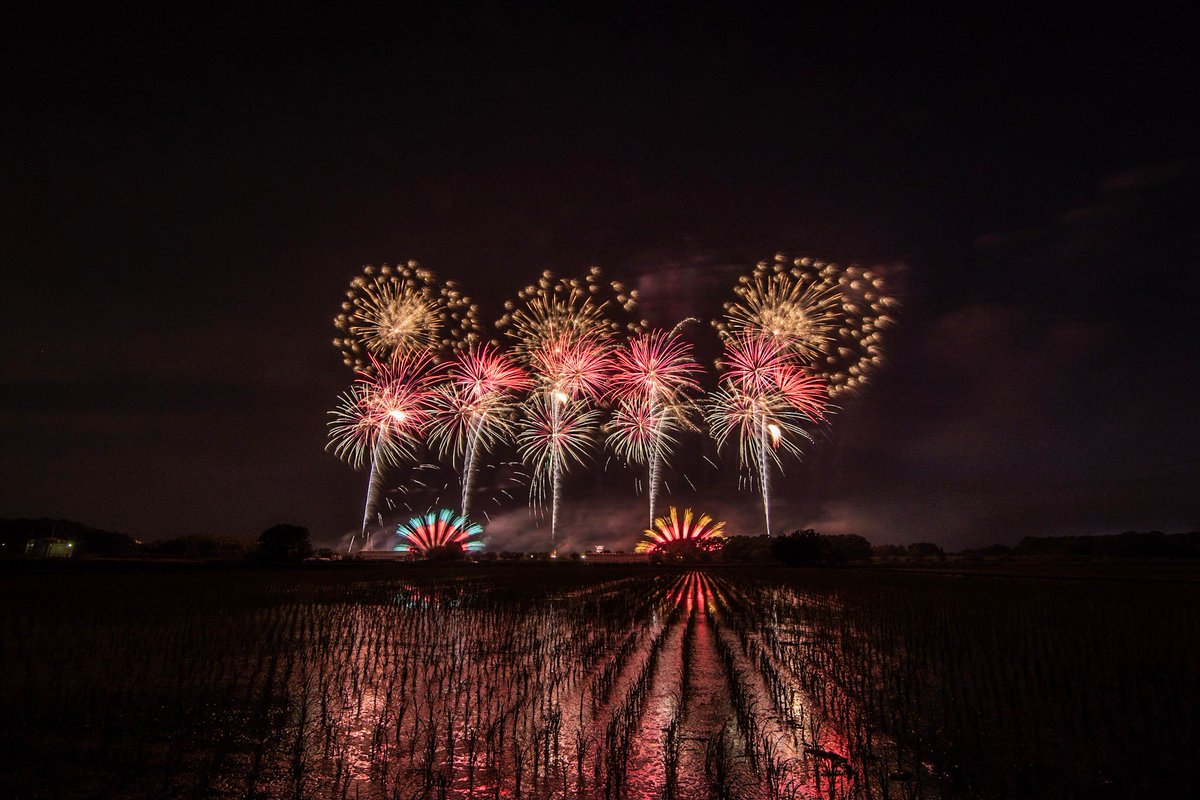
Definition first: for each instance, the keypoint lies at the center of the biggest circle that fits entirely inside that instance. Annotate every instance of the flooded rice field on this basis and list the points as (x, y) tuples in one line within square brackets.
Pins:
[(558, 681)]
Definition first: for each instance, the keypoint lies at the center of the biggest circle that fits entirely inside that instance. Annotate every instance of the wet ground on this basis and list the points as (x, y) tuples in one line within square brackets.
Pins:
[(555, 682)]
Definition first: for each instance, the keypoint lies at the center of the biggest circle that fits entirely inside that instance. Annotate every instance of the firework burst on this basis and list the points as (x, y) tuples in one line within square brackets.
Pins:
[(764, 402), (651, 377), (571, 370), (640, 432), (378, 420), (390, 311), (483, 370), (578, 368), (557, 433), (830, 317), (656, 364), (564, 330), (437, 529), (672, 529), (474, 411), (569, 309)]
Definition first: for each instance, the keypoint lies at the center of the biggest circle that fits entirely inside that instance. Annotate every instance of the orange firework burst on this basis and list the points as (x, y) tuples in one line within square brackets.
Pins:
[(830, 317), (570, 309), (391, 311)]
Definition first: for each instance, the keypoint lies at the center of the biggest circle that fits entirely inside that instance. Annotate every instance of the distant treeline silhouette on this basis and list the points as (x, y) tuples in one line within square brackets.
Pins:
[(802, 547), (1130, 544), (15, 533)]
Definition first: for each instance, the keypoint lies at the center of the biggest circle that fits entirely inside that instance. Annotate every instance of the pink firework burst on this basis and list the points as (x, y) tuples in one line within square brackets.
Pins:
[(640, 431), (655, 365), (484, 370), (804, 392), (379, 418), (401, 391), (574, 367), (385, 409), (754, 363)]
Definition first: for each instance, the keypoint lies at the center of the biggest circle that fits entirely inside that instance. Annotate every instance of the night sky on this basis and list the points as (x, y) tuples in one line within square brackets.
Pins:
[(183, 201)]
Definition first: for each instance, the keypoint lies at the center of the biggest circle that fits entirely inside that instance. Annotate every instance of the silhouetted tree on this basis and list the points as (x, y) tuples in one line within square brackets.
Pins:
[(800, 547), (926, 550), (841, 548), (451, 551), (203, 546), (284, 543), (809, 547), (888, 550)]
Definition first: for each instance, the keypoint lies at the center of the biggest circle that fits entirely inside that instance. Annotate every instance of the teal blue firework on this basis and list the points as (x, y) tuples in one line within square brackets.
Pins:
[(439, 528)]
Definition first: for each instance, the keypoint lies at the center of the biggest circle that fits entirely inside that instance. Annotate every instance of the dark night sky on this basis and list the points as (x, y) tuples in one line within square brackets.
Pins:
[(182, 203)]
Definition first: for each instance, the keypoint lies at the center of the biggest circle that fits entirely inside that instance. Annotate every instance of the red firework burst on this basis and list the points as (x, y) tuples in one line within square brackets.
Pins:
[(384, 410), (399, 392)]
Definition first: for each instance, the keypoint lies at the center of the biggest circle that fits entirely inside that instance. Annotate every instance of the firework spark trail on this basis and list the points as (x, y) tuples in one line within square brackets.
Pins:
[(764, 474), (379, 417), (558, 431), (766, 400), (391, 311), (374, 486), (472, 413), (655, 369)]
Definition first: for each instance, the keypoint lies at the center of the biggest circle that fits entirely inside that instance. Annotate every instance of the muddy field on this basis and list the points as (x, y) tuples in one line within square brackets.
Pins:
[(541, 681)]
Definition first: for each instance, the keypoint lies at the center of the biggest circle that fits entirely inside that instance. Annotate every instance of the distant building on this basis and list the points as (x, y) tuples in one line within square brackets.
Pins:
[(49, 547)]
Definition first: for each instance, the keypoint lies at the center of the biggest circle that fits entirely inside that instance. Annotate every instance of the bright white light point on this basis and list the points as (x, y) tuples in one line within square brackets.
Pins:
[(559, 396), (775, 432), (397, 415)]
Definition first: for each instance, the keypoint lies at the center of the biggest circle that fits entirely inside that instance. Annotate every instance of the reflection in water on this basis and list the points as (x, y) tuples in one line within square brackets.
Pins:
[(672, 687)]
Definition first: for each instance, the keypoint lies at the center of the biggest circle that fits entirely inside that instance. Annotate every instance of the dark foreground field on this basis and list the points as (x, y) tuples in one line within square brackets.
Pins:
[(538, 681)]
